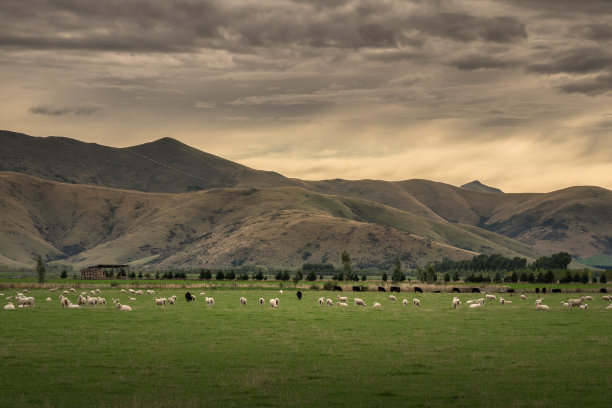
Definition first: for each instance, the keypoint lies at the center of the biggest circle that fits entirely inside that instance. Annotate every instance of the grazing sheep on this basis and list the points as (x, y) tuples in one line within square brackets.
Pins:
[(150, 292), (277, 301), (51, 290), (342, 304), (359, 302), (606, 297), (93, 301), (72, 289), (262, 301), (469, 302), (71, 306), (65, 292), (321, 300), (504, 301), (392, 298), (524, 297), (342, 298), (491, 297), (575, 302), (405, 302), (64, 301), (202, 293), (188, 297), (280, 291), (329, 302), (416, 302), (539, 301), (131, 290), (475, 305), (481, 301), (93, 292), (132, 299), (123, 308), (25, 301), (589, 298), (376, 304), (81, 301), (456, 303), (542, 307), (171, 301), (48, 299), (584, 306), (565, 304), (9, 306), (243, 301), (273, 304), (101, 301), (160, 301), (209, 301), (609, 307), (123, 291)]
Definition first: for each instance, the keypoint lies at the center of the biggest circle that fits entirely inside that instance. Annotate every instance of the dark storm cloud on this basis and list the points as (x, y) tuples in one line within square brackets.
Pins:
[(478, 61), (61, 111), (595, 32), (181, 26), (575, 61), (592, 87), (466, 28)]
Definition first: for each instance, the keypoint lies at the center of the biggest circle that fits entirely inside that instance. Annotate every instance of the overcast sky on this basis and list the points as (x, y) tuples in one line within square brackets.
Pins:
[(515, 93)]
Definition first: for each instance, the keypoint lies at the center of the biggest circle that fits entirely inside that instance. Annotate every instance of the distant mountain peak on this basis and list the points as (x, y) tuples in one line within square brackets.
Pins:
[(478, 186)]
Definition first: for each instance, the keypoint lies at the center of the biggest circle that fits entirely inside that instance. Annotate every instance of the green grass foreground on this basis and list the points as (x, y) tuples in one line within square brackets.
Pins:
[(303, 355)]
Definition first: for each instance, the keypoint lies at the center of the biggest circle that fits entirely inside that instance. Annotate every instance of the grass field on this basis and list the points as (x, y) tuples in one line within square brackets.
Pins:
[(303, 355)]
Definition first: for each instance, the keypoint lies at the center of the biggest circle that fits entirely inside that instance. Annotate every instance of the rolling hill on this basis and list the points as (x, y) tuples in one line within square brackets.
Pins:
[(422, 218)]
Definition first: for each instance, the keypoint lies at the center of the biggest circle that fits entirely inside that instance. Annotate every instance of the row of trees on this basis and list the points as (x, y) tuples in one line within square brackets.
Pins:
[(496, 262)]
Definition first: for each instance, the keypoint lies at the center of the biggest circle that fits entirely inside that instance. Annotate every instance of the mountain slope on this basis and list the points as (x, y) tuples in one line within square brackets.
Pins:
[(165, 165), (272, 227), (478, 186)]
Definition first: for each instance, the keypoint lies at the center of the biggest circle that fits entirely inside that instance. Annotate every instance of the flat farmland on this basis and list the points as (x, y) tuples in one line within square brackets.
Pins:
[(304, 355)]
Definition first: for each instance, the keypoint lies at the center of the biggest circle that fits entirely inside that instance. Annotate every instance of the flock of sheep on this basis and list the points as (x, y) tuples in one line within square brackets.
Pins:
[(93, 299)]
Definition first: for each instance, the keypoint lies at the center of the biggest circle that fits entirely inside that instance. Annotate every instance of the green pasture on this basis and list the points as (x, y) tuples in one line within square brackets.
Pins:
[(303, 355)]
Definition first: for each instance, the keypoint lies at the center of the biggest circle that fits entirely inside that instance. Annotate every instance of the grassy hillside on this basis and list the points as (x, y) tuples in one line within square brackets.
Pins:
[(275, 227)]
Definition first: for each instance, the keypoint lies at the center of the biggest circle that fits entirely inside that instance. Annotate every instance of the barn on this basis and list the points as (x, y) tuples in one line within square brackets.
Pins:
[(102, 271)]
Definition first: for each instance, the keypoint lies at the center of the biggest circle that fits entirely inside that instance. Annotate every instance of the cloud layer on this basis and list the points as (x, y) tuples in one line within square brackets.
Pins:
[(515, 93)]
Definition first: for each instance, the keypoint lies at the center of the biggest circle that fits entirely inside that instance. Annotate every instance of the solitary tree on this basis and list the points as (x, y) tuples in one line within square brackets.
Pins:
[(347, 271), (41, 271), (397, 275), (431, 274)]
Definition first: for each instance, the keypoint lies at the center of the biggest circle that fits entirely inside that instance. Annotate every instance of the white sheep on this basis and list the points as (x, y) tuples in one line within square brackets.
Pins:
[(575, 302), (359, 302), (71, 306), (523, 297), (123, 308), (123, 291), (392, 298), (542, 307), (93, 292), (93, 301), (25, 301), (72, 289), (9, 306), (131, 290), (101, 301), (589, 298), (504, 301), (243, 301), (481, 301), (329, 302), (280, 291), (456, 303), (65, 292), (416, 302), (608, 307), (81, 301), (97, 291), (209, 301), (273, 304), (171, 301), (565, 304), (48, 299), (160, 301), (344, 304), (475, 305), (469, 302), (606, 297), (262, 301), (342, 298), (202, 293), (376, 304), (539, 301), (584, 306), (277, 301), (132, 299), (405, 302), (321, 300), (491, 297), (150, 292), (50, 290)]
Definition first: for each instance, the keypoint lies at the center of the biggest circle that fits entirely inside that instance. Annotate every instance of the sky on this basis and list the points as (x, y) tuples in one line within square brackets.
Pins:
[(514, 93)]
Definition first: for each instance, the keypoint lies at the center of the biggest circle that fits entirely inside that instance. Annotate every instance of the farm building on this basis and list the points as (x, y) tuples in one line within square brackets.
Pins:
[(102, 271)]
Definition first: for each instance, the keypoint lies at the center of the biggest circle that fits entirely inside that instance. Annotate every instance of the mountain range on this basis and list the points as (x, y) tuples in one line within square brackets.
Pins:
[(165, 204)]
